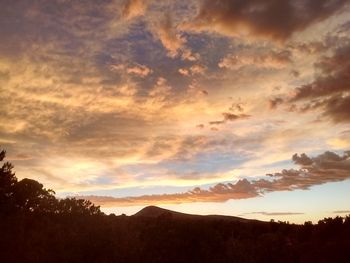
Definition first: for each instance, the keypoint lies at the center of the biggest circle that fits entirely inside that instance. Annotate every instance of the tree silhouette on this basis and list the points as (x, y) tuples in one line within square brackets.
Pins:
[(31, 196), (28, 195), (77, 206), (7, 182)]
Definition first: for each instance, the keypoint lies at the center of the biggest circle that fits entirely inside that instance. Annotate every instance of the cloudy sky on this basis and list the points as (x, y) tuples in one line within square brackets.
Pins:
[(230, 107)]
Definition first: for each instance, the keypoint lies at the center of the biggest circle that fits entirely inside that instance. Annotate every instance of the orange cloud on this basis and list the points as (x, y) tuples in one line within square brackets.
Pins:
[(270, 59), (168, 35), (219, 193), (134, 8), (139, 70), (326, 167)]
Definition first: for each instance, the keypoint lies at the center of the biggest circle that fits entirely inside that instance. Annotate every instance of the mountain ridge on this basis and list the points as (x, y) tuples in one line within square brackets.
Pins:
[(155, 211)]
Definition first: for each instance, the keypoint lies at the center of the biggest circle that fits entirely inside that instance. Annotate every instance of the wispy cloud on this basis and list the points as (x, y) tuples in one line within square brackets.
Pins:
[(274, 213), (341, 212)]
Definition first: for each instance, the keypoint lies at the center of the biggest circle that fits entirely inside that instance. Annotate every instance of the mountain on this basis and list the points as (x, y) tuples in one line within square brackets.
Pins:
[(154, 212)]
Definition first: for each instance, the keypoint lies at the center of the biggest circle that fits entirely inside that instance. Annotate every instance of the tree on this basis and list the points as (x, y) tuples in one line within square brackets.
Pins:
[(31, 196), (28, 195), (78, 206), (7, 182)]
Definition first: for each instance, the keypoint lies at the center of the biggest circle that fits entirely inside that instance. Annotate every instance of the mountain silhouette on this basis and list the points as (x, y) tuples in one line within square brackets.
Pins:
[(154, 212)]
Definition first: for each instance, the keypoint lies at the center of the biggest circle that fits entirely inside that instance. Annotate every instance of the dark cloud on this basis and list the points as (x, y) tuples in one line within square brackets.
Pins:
[(216, 122), (274, 213), (271, 18), (329, 92), (335, 108), (334, 76), (344, 28), (303, 159), (338, 108), (232, 117), (341, 212), (324, 168), (273, 103), (236, 107), (295, 73), (229, 117)]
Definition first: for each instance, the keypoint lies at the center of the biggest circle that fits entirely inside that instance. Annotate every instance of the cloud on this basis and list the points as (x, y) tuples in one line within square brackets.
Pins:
[(333, 77), (337, 108), (232, 117), (274, 213), (219, 193), (134, 8), (302, 160), (229, 117), (341, 140), (341, 212), (165, 27), (272, 18), (136, 69), (295, 73), (328, 93), (274, 103), (184, 71), (236, 107), (139, 70), (271, 59), (168, 35), (324, 168), (193, 70)]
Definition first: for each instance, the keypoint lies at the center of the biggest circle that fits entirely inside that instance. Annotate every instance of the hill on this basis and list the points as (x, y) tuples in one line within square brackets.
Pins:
[(154, 212)]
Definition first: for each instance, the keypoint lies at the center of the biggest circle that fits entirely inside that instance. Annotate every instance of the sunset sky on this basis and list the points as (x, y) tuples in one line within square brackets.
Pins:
[(236, 107)]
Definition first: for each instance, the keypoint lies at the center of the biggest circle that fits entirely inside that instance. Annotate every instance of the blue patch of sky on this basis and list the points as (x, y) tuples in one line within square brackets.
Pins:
[(212, 47), (139, 46)]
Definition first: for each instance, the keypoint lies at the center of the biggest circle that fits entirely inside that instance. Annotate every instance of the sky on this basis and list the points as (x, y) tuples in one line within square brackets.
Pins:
[(210, 107)]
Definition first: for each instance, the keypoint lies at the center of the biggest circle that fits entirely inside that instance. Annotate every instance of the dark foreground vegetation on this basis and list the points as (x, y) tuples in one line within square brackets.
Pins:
[(37, 227)]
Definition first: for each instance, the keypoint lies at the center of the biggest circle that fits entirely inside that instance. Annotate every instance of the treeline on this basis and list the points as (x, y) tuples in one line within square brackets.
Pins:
[(37, 227), (29, 196)]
